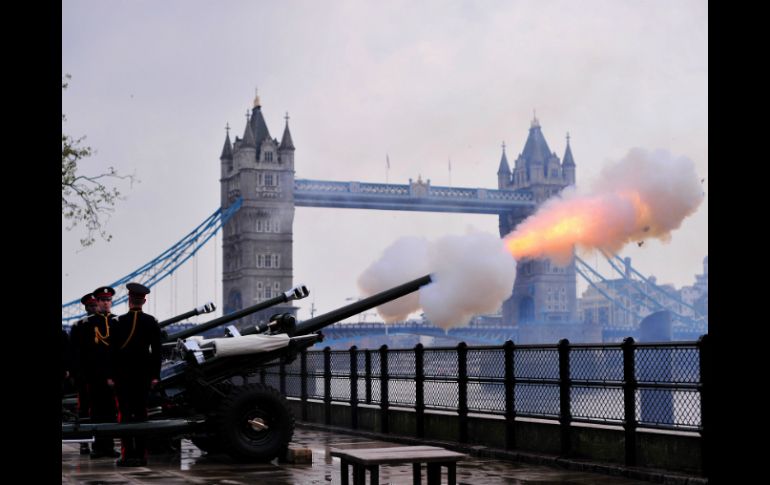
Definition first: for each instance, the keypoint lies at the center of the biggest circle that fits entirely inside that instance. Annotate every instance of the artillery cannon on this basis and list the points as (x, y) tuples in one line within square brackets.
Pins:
[(205, 308), (250, 422)]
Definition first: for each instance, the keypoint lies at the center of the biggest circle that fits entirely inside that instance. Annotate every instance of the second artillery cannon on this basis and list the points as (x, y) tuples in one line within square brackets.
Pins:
[(250, 422)]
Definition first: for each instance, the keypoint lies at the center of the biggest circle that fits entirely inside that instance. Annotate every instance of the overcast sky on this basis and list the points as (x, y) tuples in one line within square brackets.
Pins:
[(154, 83)]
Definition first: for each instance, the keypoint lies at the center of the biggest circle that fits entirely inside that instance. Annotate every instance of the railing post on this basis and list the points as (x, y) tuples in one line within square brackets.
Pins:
[(384, 428), (419, 383), (303, 383), (629, 399), (354, 387), (368, 375), (510, 406), (462, 389), (704, 351), (327, 385), (565, 411)]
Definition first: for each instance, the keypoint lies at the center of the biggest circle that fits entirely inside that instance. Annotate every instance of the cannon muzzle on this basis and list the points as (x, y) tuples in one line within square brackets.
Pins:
[(296, 293), (205, 308)]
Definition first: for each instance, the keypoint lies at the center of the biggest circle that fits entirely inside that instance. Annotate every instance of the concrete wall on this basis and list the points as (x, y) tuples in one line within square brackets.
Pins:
[(680, 452), (671, 452)]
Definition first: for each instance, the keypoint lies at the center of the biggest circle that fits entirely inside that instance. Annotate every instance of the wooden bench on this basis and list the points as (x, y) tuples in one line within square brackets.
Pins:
[(370, 459)]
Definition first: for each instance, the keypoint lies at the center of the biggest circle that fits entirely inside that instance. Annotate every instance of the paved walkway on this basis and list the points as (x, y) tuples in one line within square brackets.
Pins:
[(191, 466)]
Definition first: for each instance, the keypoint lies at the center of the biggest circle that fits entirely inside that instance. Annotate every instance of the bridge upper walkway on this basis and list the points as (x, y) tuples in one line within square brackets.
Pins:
[(416, 196)]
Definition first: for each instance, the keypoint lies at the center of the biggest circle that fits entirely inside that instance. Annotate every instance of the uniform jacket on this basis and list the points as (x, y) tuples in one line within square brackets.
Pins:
[(95, 337), (136, 346)]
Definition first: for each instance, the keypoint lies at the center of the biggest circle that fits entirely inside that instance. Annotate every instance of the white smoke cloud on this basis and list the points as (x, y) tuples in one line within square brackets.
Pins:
[(472, 274), (668, 185), (403, 261)]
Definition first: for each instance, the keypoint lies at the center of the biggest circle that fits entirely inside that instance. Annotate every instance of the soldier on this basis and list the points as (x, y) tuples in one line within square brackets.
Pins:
[(137, 352), (84, 404), (96, 365), (66, 362)]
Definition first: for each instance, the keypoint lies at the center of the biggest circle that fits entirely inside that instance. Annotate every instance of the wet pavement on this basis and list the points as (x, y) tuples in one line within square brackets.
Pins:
[(191, 466)]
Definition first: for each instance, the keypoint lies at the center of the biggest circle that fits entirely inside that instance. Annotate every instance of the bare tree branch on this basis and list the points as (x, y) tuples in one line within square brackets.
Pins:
[(86, 199)]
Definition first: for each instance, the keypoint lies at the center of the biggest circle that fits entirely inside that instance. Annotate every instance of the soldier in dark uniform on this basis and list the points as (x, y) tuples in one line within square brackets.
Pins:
[(137, 352), (66, 360), (84, 404), (95, 347)]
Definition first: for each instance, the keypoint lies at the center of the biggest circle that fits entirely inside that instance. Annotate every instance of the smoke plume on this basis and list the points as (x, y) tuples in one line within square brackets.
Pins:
[(472, 274), (404, 260)]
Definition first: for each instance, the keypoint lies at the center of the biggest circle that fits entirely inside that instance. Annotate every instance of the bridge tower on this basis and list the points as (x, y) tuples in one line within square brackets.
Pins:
[(257, 241), (543, 292)]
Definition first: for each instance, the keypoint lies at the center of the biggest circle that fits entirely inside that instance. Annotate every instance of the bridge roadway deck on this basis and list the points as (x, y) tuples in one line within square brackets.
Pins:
[(190, 466)]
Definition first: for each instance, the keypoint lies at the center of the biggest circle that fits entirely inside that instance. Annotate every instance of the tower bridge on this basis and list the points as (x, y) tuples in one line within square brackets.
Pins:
[(257, 243)]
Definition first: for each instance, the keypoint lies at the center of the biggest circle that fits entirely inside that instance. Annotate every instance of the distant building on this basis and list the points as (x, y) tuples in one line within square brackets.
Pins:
[(697, 295), (631, 299)]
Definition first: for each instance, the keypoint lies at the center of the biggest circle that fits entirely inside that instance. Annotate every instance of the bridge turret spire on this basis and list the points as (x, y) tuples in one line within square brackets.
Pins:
[(568, 164), (248, 133), (286, 141), (227, 150), (567, 160), (536, 149), (504, 167), (503, 172), (258, 125)]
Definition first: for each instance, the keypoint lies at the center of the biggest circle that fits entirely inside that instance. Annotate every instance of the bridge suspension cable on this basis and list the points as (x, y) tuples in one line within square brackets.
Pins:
[(649, 283), (165, 264), (625, 277), (582, 267)]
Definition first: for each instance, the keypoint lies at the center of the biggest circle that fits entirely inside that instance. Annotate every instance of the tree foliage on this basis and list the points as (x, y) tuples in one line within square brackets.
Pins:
[(88, 200)]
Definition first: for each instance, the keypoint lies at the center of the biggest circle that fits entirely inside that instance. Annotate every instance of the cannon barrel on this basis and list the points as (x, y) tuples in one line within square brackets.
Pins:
[(321, 321), (296, 293), (205, 308)]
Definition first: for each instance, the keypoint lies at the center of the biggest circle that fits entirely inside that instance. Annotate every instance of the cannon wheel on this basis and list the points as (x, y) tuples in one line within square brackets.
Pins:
[(239, 439)]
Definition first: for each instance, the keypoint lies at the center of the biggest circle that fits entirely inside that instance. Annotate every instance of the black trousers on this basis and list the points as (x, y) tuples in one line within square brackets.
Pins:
[(132, 403), (84, 402), (103, 409)]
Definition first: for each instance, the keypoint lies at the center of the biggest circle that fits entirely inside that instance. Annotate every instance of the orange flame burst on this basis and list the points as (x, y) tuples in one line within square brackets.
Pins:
[(605, 222)]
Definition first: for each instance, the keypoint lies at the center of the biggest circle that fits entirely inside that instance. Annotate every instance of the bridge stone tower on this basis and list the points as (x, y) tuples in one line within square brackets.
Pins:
[(543, 292), (257, 241)]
